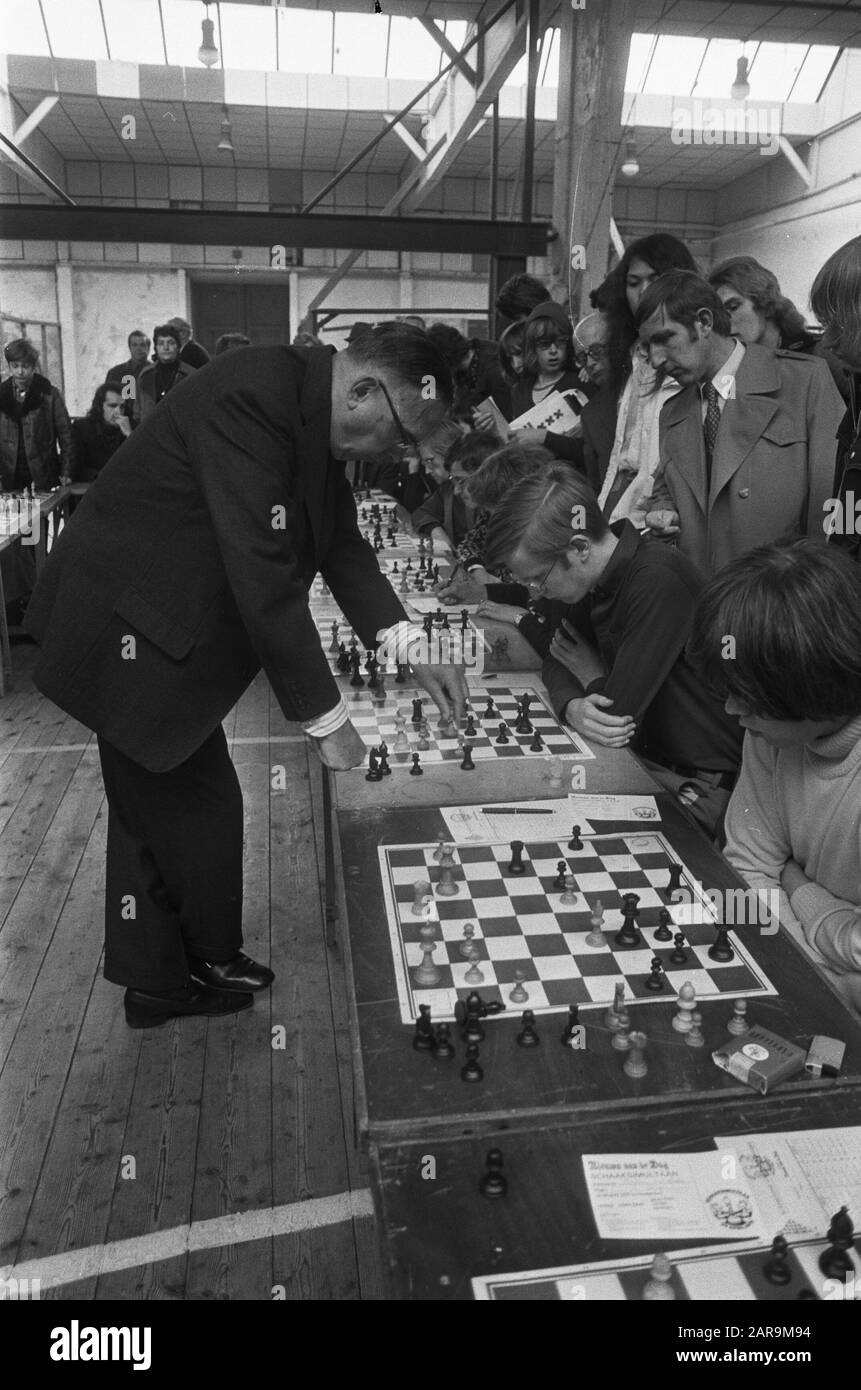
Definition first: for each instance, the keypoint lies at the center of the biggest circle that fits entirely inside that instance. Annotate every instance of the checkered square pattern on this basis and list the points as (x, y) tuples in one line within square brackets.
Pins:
[(520, 924)]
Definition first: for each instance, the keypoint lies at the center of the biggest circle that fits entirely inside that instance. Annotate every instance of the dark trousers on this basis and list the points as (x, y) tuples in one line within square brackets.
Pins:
[(173, 882)]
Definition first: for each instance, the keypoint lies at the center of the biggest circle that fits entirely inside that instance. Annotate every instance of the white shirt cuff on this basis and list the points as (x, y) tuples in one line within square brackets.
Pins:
[(327, 723)]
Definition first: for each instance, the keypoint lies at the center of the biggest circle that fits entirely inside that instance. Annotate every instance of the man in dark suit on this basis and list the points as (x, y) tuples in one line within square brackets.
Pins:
[(747, 445), (186, 569), (190, 351)]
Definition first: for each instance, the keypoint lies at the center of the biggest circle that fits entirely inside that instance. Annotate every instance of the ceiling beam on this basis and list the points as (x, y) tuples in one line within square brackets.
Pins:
[(449, 49), (409, 140), (35, 118), (181, 227), (789, 152)]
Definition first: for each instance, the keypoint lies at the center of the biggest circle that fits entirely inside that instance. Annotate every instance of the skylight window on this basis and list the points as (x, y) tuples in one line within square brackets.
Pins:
[(75, 30)]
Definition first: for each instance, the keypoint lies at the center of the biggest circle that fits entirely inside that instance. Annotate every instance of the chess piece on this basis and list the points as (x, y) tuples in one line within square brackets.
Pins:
[(446, 886), (519, 995), (628, 935), (554, 772), (516, 864), (596, 936), (421, 897), (490, 712), (721, 950), (470, 731), (561, 874), (465, 947), (417, 770), (373, 773), (572, 1027), (635, 1062), (471, 1071), (575, 842), (621, 1039), (835, 1262), (695, 1037), (775, 1268), (441, 845), (467, 765), (570, 897), (662, 930), (679, 955), (474, 975), (675, 882), (502, 735), (738, 1024), (537, 744), (471, 1012), (417, 711), (528, 1037), (659, 1287), (427, 974), (686, 1002), (655, 981), (423, 1039), (401, 676), (611, 1017), (443, 1046), (494, 1183), (333, 645), (384, 761)]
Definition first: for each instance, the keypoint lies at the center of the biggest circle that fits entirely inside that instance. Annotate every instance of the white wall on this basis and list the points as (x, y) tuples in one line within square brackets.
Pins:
[(29, 294), (108, 304)]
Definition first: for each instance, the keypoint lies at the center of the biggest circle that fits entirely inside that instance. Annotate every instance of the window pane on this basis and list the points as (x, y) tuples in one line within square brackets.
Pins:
[(75, 30), (638, 57), (247, 37), (814, 71), (360, 45), (29, 35), (304, 41), (412, 52), (674, 65), (134, 31)]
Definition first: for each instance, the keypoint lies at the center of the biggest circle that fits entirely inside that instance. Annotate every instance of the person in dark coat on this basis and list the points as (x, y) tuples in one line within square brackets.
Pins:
[(190, 351), (161, 375), (184, 570), (35, 431), (139, 346), (836, 302), (100, 433)]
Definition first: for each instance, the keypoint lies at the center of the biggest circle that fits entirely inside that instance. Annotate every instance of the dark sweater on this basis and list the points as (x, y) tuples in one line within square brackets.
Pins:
[(639, 618)]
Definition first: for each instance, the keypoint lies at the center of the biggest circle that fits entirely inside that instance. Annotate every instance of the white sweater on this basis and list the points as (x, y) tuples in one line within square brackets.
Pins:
[(804, 803)]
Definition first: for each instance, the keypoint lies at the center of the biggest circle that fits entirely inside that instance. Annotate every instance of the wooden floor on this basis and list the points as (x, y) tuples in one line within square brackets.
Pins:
[(107, 1135)]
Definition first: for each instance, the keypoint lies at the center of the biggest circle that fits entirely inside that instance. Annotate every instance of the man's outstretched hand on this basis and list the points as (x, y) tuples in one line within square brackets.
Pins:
[(446, 686)]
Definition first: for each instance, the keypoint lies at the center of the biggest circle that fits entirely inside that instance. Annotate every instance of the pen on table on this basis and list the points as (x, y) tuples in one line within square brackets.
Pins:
[(516, 811)]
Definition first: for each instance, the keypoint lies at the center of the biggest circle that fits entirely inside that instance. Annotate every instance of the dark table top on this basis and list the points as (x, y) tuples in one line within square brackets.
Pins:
[(439, 1233), (403, 1092)]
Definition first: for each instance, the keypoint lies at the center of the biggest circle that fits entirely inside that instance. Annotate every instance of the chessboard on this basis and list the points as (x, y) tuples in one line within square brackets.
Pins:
[(336, 632), (389, 720), (731, 1274), (526, 939)]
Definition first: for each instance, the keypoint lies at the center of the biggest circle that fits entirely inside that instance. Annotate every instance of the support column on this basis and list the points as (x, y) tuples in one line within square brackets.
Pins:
[(593, 57)]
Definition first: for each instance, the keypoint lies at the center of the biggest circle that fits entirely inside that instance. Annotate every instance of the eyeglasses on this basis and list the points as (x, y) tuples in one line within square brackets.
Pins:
[(408, 441), (539, 585)]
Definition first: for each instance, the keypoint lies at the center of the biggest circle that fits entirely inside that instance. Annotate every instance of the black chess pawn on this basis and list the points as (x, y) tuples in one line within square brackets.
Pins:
[(443, 1045), (467, 765), (528, 1037), (417, 712), (417, 770), (775, 1268), (572, 1027), (502, 735), (655, 981), (490, 712), (835, 1262), (467, 1013), (675, 880), (662, 930), (679, 956), (628, 934), (470, 730), (561, 874), (384, 761), (575, 842), (423, 1040), (494, 1183), (401, 677), (471, 1071), (373, 773), (537, 744), (721, 950)]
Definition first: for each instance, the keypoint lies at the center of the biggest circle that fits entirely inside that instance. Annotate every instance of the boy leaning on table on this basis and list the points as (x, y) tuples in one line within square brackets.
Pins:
[(778, 632)]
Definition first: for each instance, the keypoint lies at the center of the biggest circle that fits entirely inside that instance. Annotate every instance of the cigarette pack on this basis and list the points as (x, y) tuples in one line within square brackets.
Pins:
[(760, 1059)]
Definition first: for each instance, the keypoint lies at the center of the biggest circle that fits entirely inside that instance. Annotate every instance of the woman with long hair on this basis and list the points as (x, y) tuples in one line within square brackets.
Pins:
[(758, 312), (836, 302), (640, 390), (100, 433)]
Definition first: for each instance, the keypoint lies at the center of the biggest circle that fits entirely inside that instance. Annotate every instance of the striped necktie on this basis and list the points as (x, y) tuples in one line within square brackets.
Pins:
[(710, 426)]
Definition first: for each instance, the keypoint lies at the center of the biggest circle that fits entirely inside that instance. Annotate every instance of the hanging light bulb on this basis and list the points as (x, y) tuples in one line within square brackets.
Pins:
[(207, 53), (630, 164), (225, 143), (741, 86)]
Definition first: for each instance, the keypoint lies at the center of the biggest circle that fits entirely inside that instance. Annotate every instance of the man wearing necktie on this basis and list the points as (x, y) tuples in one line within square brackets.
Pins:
[(747, 444)]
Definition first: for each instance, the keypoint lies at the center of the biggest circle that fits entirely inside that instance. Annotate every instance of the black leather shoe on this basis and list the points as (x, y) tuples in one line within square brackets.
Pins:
[(239, 973), (148, 1009)]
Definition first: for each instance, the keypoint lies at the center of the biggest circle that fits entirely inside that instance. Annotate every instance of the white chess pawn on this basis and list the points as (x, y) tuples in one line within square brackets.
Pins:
[(686, 1003), (596, 936), (738, 1024), (554, 772), (658, 1285)]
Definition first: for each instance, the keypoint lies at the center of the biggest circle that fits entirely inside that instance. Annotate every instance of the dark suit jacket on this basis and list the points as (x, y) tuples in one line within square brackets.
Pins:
[(200, 539), (773, 463)]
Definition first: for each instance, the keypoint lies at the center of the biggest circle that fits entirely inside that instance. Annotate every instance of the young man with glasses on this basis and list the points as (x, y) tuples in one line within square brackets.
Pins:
[(184, 571), (617, 670)]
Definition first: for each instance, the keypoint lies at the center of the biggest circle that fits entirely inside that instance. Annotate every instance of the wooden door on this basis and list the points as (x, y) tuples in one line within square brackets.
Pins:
[(260, 311)]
